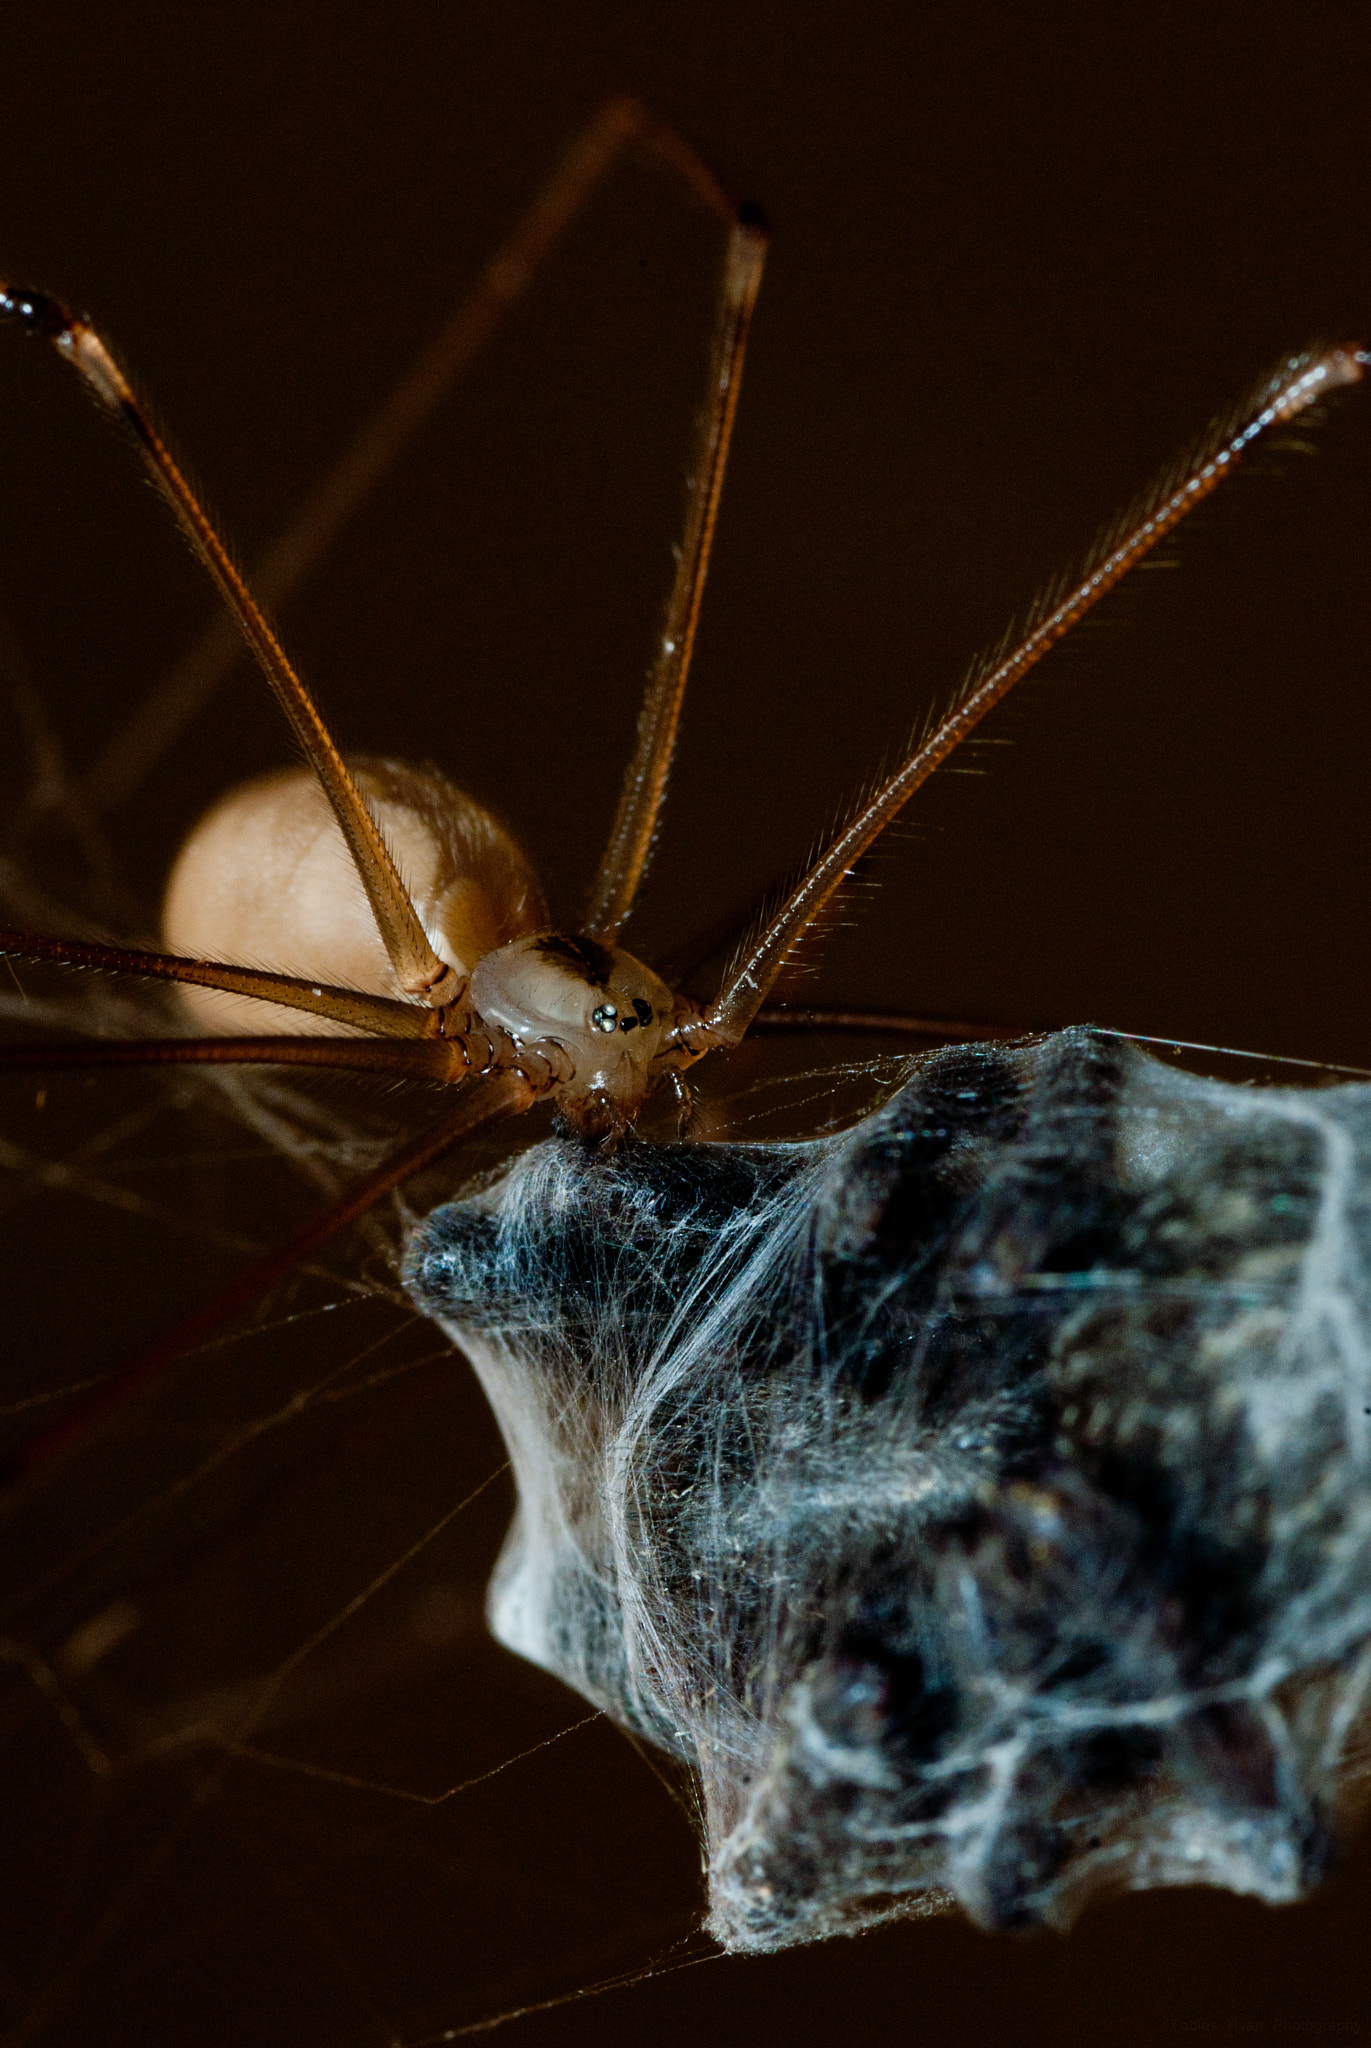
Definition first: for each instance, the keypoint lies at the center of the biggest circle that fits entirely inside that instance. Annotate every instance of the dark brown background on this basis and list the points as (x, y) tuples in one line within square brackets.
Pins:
[(1022, 255)]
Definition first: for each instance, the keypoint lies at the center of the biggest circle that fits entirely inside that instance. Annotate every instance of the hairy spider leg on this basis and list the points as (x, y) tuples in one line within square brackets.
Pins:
[(1298, 385), (644, 787), (418, 968), (621, 126)]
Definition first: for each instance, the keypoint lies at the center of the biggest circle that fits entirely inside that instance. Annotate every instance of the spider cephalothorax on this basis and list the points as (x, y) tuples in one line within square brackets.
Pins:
[(614, 1021)]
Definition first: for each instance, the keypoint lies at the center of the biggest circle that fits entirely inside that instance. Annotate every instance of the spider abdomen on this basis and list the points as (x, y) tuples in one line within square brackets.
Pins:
[(265, 879)]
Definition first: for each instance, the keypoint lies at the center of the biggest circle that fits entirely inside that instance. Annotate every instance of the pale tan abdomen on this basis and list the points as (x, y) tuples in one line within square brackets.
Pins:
[(265, 880)]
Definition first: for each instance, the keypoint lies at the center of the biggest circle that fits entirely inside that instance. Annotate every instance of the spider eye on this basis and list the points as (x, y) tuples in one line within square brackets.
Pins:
[(605, 1017)]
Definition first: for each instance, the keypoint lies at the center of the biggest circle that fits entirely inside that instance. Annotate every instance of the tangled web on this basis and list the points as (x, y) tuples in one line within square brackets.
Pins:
[(977, 1500)]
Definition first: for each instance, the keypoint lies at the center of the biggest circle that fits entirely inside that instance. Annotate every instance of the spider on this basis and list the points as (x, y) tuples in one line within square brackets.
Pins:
[(449, 974), (435, 960)]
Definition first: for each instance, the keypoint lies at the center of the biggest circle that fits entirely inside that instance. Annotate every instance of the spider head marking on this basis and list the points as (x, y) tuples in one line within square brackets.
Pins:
[(606, 1010)]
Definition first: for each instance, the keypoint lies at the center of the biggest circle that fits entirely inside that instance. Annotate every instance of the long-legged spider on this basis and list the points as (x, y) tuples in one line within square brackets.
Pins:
[(451, 976), (455, 979)]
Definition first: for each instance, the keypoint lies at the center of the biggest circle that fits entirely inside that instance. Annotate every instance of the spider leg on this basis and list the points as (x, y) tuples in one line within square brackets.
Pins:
[(418, 968), (746, 986), (432, 1059), (771, 1022), (346, 485), (380, 1014), (625, 857)]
